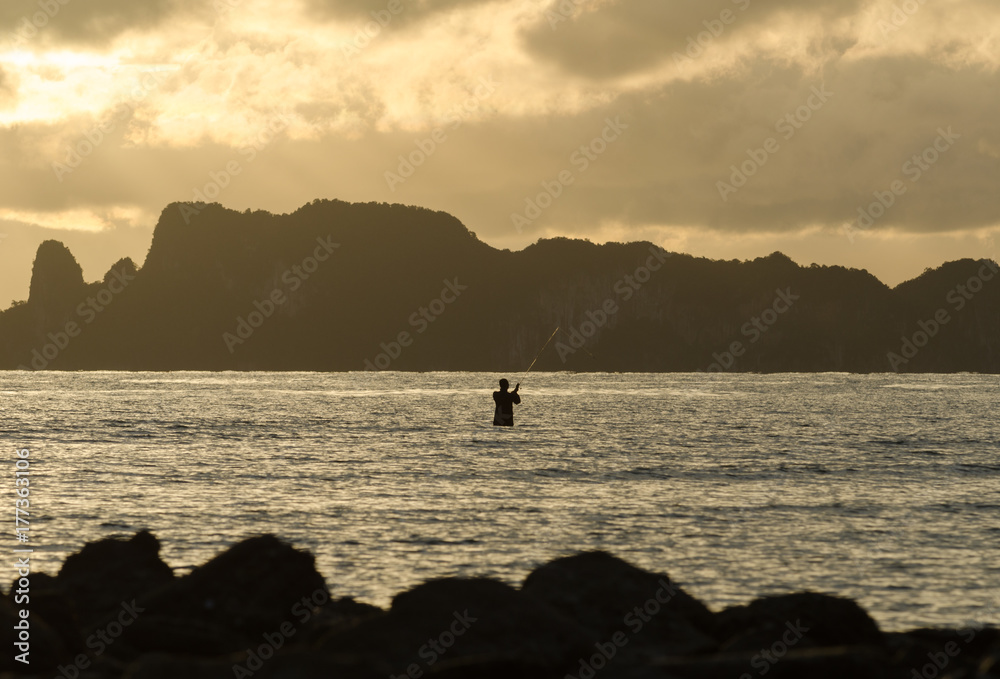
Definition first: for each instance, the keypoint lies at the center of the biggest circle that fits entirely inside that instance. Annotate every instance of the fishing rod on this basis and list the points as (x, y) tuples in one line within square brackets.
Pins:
[(544, 346), (539, 354)]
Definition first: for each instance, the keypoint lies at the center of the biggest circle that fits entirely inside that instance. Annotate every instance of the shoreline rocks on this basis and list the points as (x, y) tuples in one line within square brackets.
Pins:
[(261, 609)]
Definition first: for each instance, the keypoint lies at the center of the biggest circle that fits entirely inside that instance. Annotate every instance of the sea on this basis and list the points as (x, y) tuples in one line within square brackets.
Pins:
[(881, 488)]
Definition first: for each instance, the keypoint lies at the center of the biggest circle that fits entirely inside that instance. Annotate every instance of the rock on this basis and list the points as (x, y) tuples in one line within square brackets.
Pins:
[(56, 277), (260, 609), (989, 667), (250, 589), (104, 575), (970, 640), (166, 666), (50, 601), (454, 618), (152, 633), (45, 648), (797, 620), (610, 596), (335, 616), (858, 662), (283, 665), (120, 272), (93, 666), (932, 651), (489, 668), (309, 664)]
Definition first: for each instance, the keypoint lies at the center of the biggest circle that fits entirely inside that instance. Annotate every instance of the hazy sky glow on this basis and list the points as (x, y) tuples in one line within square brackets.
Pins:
[(110, 109)]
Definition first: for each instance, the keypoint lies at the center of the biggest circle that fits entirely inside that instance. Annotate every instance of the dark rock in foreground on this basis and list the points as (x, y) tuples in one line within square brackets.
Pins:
[(611, 597), (103, 575), (260, 609), (247, 588), (466, 621), (804, 619)]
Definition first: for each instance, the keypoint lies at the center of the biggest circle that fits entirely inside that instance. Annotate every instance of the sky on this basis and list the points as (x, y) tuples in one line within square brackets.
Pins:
[(861, 133)]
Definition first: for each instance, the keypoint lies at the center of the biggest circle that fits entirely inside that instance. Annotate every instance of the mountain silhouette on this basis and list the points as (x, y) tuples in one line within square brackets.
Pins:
[(339, 286)]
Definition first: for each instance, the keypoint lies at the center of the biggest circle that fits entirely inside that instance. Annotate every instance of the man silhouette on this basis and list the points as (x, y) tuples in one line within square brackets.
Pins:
[(503, 416)]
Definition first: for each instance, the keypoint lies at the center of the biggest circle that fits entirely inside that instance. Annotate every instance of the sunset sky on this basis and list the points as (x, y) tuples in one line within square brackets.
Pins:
[(632, 113)]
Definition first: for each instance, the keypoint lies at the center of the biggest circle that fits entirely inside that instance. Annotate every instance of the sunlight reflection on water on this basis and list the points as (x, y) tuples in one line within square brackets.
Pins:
[(882, 488)]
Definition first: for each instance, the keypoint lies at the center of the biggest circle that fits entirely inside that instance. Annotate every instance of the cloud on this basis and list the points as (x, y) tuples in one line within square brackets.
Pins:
[(401, 11), (91, 22), (684, 137), (895, 80), (8, 89), (612, 39), (829, 161)]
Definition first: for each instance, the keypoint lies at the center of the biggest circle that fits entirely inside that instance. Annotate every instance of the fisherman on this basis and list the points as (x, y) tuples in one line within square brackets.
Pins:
[(503, 416)]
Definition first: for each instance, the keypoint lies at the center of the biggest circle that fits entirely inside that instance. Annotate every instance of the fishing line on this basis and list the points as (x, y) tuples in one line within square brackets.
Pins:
[(583, 349), (538, 355)]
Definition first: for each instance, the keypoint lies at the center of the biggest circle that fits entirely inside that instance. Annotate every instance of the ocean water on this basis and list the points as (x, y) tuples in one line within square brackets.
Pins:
[(882, 488)]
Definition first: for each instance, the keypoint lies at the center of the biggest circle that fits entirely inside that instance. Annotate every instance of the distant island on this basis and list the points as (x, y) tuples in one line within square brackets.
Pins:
[(339, 287)]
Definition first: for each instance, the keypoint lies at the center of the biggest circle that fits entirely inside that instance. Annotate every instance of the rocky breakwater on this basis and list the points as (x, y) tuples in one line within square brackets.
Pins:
[(260, 609)]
